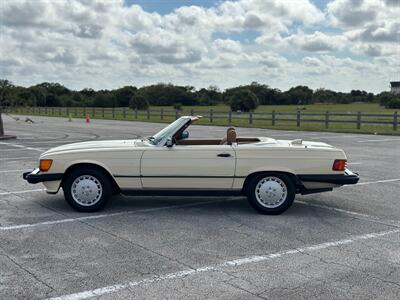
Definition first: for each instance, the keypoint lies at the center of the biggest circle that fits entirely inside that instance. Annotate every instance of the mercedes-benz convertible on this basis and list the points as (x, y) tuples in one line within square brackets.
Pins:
[(268, 171)]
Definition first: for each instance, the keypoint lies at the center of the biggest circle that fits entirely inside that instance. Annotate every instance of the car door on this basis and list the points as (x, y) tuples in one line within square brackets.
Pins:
[(188, 167)]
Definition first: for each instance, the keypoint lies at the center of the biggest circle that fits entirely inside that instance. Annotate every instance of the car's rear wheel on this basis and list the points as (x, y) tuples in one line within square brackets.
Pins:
[(270, 193), (87, 189)]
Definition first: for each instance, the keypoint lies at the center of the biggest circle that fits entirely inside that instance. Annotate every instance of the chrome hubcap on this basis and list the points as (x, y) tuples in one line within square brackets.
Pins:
[(86, 190), (271, 192)]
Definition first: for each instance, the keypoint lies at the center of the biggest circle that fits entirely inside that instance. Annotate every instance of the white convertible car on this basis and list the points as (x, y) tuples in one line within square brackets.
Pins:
[(269, 172)]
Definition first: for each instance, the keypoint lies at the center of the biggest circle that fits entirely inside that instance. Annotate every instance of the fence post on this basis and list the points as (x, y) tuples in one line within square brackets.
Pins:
[(250, 118), (136, 113), (76, 112), (192, 112), (59, 111), (230, 117), (327, 119), (162, 114), (84, 111), (176, 114), (93, 112), (273, 118), (211, 115), (67, 112), (395, 120), (148, 113), (359, 120), (124, 112), (113, 112), (39, 110), (298, 118)]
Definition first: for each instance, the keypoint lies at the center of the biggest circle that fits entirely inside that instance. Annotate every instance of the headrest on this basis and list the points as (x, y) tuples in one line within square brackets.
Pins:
[(231, 136)]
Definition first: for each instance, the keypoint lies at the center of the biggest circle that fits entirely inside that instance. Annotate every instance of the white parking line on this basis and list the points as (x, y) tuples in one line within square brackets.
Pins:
[(352, 213), (21, 192), (16, 158), (348, 212), (380, 140), (46, 223), (354, 163), (21, 146), (373, 182), (217, 267), (4, 150), (12, 171)]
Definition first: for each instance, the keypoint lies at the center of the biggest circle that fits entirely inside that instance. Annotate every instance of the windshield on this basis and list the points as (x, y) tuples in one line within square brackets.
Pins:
[(168, 131)]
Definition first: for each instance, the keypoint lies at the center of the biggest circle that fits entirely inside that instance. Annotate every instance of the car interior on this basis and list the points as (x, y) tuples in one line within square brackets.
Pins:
[(230, 138)]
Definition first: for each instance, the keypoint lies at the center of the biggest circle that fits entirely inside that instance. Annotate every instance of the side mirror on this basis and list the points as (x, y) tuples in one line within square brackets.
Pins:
[(169, 143), (184, 134)]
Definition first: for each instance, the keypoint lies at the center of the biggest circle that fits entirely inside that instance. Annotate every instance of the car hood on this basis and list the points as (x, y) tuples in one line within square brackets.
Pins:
[(95, 145)]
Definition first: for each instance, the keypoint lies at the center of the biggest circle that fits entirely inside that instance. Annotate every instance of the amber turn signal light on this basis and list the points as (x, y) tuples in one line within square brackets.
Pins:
[(339, 165), (45, 164)]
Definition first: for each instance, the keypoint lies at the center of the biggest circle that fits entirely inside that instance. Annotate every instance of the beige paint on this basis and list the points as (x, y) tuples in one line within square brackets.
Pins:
[(138, 158), (186, 162)]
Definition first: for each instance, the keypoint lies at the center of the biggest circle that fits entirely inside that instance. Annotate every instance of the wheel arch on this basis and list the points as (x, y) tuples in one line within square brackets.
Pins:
[(78, 165)]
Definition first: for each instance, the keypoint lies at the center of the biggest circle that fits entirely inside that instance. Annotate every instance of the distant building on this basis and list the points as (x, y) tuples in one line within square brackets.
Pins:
[(395, 87)]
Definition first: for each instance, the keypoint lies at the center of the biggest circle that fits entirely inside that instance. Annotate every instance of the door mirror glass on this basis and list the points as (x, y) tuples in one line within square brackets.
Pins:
[(185, 135), (169, 143)]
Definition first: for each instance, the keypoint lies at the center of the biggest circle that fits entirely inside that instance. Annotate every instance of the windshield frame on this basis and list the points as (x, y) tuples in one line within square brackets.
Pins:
[(160, 138)]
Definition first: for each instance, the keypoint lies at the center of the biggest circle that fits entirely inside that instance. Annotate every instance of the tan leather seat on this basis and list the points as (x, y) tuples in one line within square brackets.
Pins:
[(230, 137)]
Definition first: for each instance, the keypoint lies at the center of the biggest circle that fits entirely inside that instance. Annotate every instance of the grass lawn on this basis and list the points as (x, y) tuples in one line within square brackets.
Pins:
[(262, 118), (312, 108)]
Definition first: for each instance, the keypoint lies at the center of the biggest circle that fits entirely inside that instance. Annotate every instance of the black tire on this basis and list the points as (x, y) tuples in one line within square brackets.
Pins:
[(282, 205), (101, 179)]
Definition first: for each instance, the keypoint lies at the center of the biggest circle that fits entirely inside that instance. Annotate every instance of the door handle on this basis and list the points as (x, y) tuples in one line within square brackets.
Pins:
[(224, 155)]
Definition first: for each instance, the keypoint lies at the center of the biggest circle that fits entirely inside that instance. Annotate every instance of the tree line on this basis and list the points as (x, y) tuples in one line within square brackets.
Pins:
[(244, 97)]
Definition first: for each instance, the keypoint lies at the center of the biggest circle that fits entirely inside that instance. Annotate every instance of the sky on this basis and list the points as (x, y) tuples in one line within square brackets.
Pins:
[(106, 44)]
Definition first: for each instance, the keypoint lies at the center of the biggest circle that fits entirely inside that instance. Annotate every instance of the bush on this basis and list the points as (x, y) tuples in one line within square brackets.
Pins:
[(177, 106), (243, 100), (138, 101), (393, 103)]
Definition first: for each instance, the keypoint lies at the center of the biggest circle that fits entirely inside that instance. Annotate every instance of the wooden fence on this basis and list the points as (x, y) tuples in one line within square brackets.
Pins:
[(272, 118)]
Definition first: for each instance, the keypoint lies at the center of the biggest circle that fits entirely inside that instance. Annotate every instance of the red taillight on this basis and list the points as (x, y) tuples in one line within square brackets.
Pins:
[(339, 165)]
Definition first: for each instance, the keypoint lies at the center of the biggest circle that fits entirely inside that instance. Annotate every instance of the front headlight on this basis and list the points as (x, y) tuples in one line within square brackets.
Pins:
[(45, 164)]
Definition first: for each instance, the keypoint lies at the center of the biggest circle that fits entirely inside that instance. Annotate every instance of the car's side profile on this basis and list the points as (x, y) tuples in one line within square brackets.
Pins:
[(269, 172)]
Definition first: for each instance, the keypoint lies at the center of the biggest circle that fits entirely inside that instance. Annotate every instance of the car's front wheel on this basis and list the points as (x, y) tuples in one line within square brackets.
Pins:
[(87, 189), (271, 194)]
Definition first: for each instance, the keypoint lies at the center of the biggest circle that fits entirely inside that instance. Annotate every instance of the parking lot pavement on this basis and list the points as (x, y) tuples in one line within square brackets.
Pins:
[(342, 244)]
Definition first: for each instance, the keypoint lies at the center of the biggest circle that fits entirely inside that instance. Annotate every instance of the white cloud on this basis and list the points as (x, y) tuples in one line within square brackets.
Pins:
[(106, 44), (316, 42), (227, 45), (372, 27)]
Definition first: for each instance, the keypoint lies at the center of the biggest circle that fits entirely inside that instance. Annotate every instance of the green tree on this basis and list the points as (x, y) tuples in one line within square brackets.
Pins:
[(104, 99), (324, 96), (385, 97), (5, 87), (168, 94), (124, 95), (139, 101), (298, 95), (393, 103), (39, 96), (243, 100)]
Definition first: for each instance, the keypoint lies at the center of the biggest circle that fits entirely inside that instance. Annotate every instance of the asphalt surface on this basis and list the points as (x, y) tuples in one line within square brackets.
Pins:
[(342, 244)]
